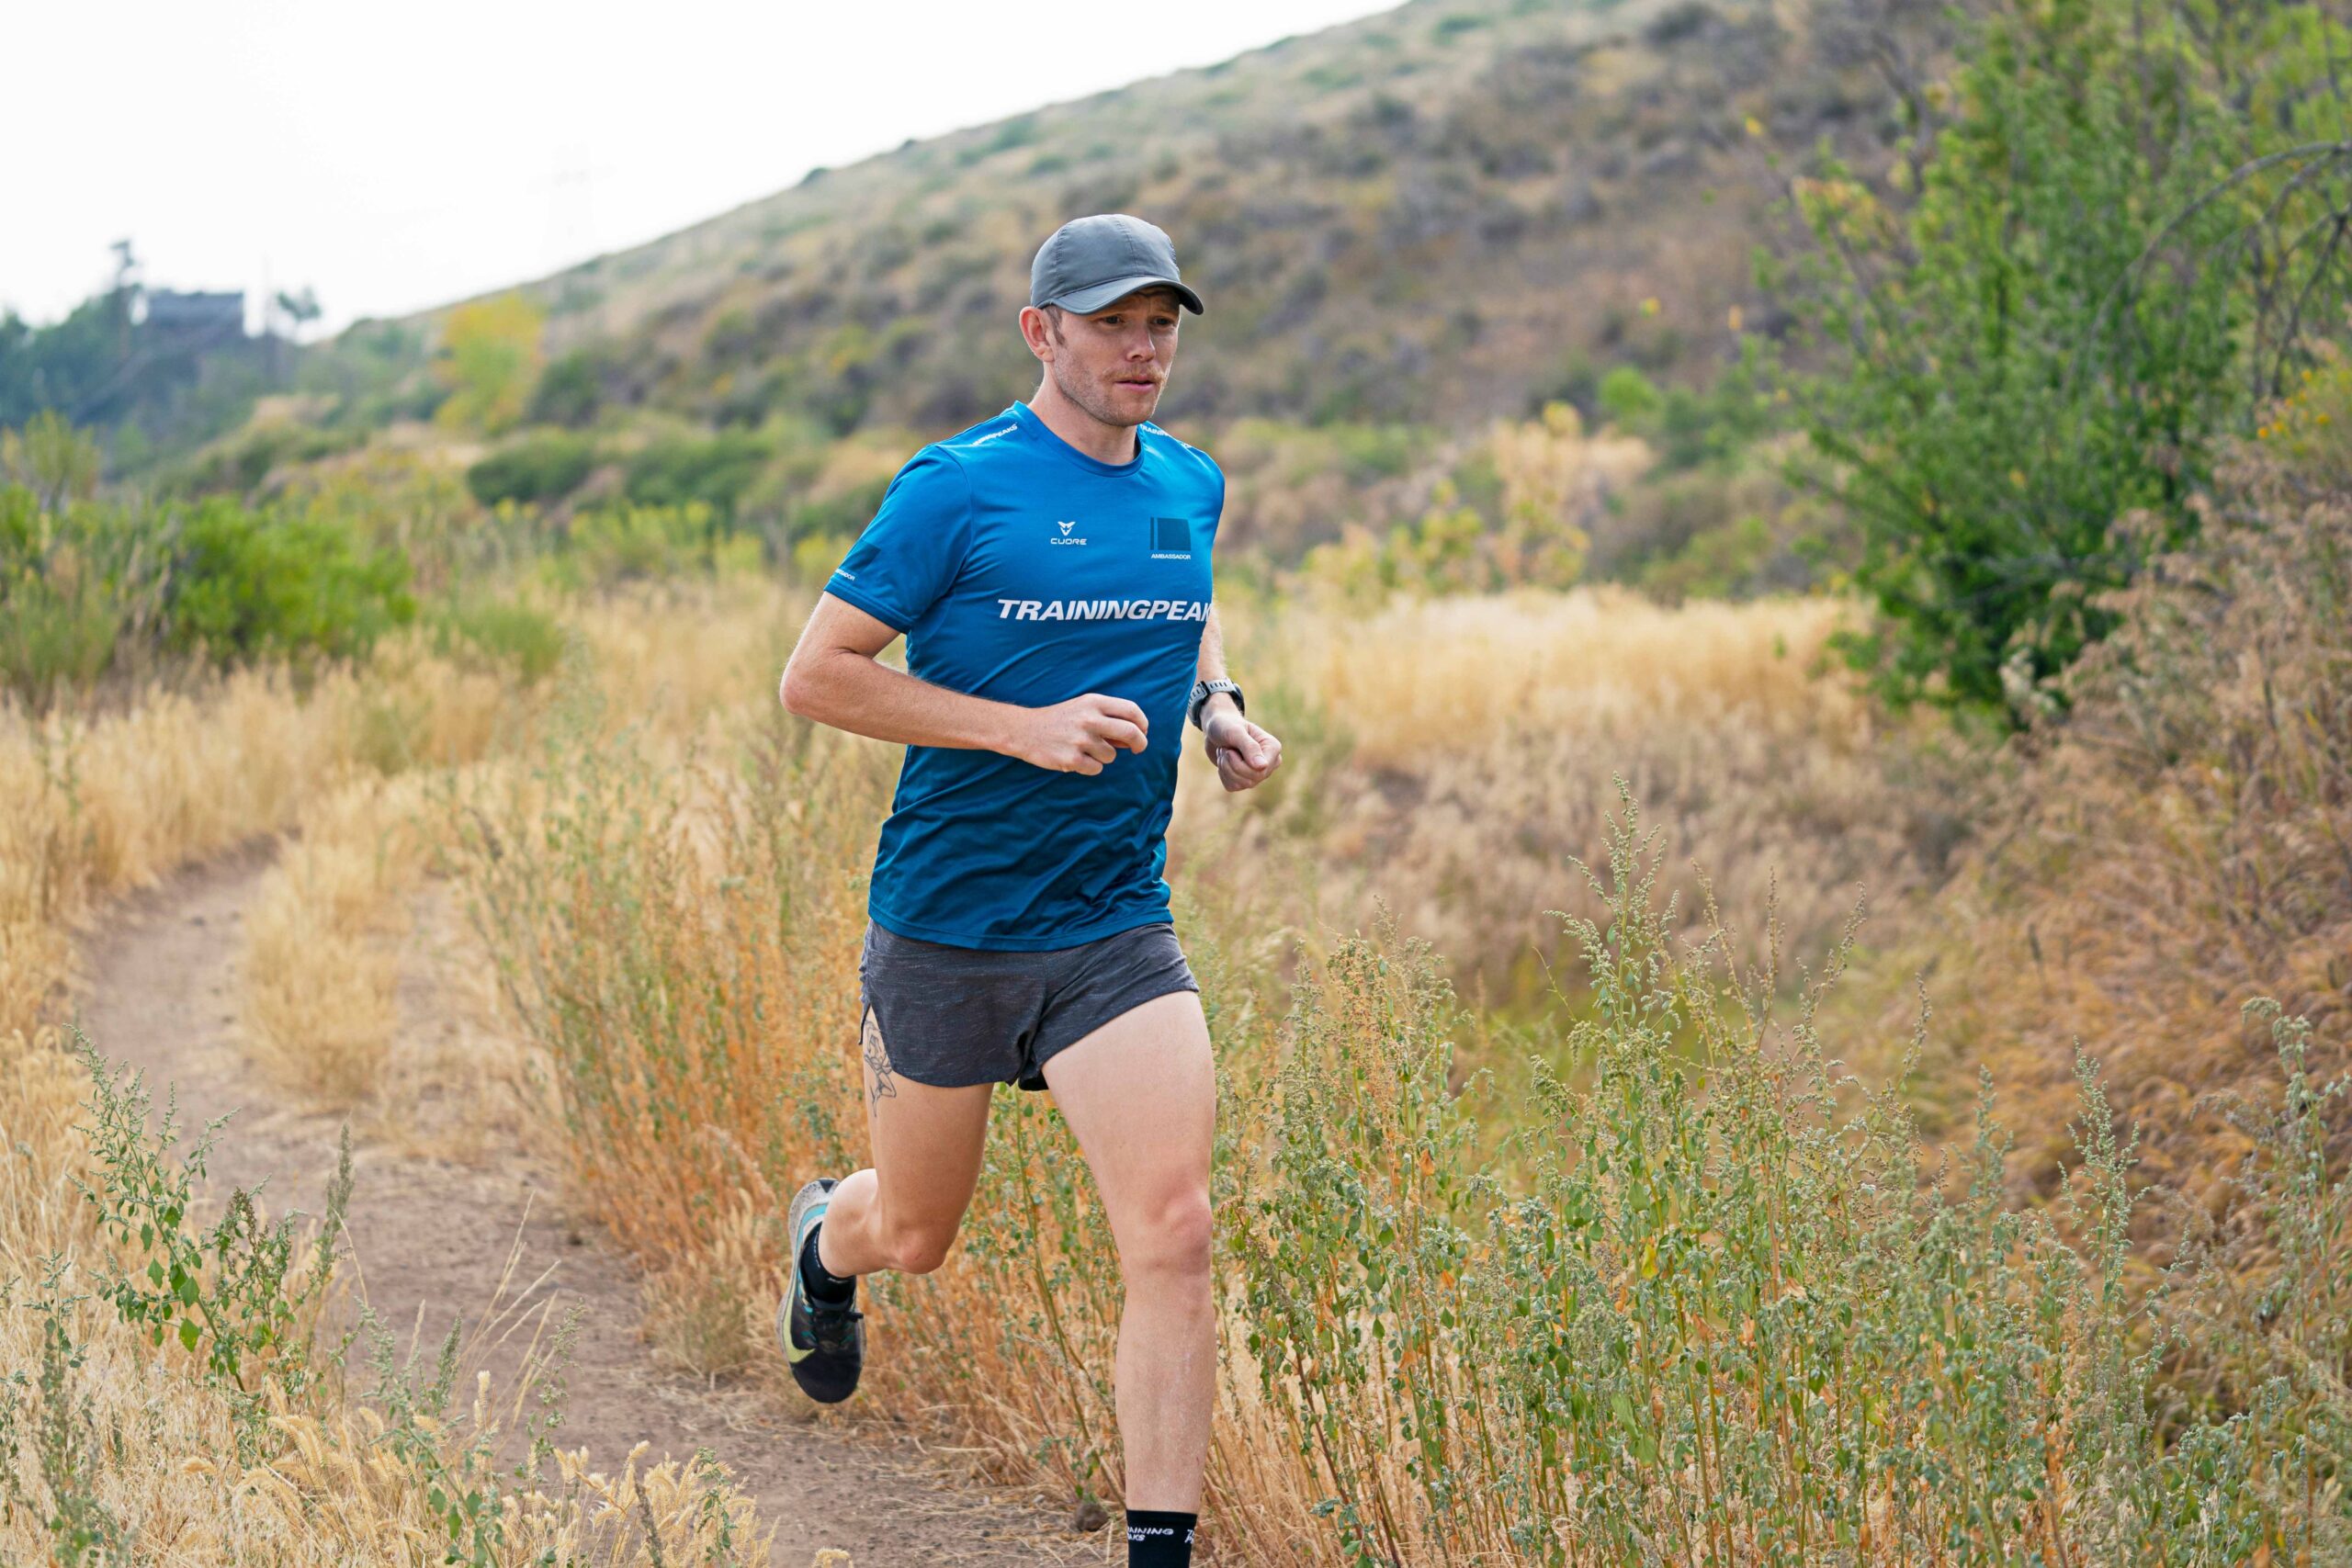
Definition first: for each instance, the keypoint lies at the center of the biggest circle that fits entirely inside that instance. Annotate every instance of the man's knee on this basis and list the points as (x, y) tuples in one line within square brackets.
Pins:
[(1174, 1239), (917, 1247)]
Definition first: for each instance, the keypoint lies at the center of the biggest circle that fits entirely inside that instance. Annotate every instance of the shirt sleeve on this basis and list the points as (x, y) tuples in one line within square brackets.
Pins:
[(912, 549)]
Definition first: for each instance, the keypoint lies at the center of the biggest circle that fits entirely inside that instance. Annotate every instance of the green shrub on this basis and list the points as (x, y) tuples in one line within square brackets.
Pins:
[(52, 643), (62, 1483), (682, 470), (241, 1296), (624, 543), (1628, 397), (502, 633), (570, 390), (83, 589), (2045, 340), (842, 514), (542, 467), (1003, 136), (255, 582), (489, 360), (1370, 452), (238, 464), (65, 595), (1687, 428), (814, 555), (52, 458)]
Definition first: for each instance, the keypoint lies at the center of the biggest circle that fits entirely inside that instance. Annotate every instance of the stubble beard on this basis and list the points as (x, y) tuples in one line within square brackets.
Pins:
[(1098, 404)]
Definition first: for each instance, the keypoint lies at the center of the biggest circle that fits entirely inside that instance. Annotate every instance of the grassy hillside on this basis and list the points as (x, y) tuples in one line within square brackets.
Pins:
[(1439, 214)]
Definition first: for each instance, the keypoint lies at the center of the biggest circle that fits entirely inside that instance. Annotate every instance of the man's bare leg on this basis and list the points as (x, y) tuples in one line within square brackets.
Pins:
[(902, 1211), (1140, 1092)]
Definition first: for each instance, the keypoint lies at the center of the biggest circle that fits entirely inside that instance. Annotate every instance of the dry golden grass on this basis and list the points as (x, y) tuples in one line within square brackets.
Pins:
[(677, 914), (1452, 674), (1443, 755), (320, 962), (2178, 842), (90, 806), (675, 904), (327, 936), (362, 991), (680, 933), (1449, 756), (670, 660), (334, 1491), (706, 1050)]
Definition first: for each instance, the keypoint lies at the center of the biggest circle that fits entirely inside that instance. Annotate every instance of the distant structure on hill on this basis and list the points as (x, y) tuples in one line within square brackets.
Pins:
[(215, 317), (177, 363)]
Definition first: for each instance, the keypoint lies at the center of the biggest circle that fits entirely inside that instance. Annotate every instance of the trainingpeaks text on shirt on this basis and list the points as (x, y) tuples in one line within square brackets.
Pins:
[(1102, 610)]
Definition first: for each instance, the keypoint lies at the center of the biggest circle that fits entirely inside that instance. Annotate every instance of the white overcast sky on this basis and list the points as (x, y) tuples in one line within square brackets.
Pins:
[(396, 156)]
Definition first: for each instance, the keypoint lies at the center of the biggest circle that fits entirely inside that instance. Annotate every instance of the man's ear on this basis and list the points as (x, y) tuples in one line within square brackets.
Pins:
[(1038, 333)]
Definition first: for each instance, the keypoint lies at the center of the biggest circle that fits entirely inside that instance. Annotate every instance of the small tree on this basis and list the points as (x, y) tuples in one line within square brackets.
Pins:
[(489, 360), (2034, 349)]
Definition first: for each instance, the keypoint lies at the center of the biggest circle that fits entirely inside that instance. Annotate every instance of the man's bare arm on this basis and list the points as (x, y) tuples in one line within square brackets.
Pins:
[(835, 678), (1212, 667)]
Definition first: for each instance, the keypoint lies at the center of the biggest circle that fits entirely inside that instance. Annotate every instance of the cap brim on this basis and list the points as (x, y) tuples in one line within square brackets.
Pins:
[(1085, 299)]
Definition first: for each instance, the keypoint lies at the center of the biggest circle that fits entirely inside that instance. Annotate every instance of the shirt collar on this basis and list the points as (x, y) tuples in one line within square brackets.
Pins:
[(1039, 431)]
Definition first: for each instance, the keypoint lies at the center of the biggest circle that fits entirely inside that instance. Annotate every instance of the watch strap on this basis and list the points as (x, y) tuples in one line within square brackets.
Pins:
[(1204, 690)]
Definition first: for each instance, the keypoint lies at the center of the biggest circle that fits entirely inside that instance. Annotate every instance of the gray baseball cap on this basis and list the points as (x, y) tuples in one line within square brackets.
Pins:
[(1089, 262)]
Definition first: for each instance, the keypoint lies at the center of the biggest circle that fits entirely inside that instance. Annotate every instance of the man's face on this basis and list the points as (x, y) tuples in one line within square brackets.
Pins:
[(1114, 362)]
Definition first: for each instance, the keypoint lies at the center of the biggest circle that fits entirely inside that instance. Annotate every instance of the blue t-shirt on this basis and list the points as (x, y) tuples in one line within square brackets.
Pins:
[(1023, 571)]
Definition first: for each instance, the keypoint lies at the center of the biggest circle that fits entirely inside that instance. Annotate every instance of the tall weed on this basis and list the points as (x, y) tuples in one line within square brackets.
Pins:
[(1726, 1323)]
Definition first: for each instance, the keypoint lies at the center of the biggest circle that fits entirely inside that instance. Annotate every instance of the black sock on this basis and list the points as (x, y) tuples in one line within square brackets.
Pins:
[(829, 1289), (1159, 1539)]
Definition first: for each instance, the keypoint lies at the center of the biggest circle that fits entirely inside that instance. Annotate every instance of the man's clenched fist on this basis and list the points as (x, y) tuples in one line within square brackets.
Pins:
[(1244, 755), (1081, 735)]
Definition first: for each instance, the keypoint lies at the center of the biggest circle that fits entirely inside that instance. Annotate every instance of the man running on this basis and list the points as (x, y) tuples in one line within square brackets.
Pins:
[(1049, 568)]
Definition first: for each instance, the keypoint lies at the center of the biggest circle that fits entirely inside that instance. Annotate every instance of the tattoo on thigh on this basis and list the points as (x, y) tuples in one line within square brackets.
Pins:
[(878, 1061)]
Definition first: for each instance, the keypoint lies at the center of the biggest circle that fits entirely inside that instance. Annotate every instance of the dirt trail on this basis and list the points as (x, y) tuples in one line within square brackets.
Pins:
[(432, 1238)]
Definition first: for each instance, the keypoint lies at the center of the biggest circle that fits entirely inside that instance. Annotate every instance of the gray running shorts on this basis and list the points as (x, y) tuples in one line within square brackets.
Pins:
[(956, 1016)]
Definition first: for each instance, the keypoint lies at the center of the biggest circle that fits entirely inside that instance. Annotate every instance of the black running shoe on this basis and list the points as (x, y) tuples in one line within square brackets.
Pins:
[(824, 1345)]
